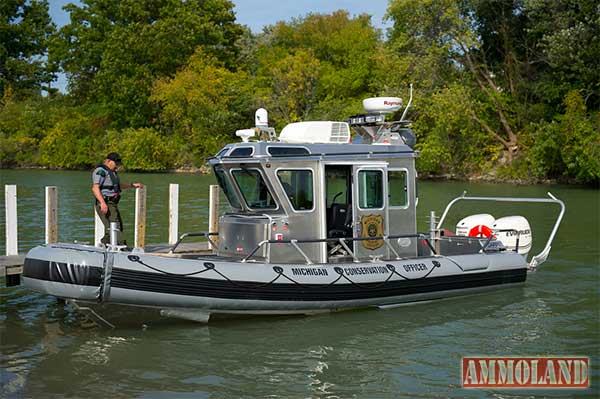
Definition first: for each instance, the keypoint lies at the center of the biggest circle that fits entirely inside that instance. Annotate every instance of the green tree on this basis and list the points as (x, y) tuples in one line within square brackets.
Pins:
[(519, 58), (569, 146), (319, 66), (25, 27), (293, 84), (564, 37), (113, 51), (202, 106), (448, 138), (477, 43), (70, 143), (143, 149), (24, 124)]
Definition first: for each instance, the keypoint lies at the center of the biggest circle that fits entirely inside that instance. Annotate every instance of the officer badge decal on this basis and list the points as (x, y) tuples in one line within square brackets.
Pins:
[(372, 226)]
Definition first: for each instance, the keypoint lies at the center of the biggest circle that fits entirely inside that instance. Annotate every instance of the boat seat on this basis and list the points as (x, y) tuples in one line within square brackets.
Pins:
[(340, 222)]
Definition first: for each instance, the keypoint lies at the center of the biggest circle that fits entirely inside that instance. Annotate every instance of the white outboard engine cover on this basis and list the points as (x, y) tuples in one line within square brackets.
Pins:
[(509, 238), (465, 225)]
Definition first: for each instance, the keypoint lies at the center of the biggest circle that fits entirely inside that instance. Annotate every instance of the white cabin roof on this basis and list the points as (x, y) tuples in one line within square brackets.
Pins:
[(316, 132)]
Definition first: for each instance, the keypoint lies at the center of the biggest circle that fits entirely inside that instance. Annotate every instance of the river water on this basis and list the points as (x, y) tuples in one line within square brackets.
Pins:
[(48, 350)]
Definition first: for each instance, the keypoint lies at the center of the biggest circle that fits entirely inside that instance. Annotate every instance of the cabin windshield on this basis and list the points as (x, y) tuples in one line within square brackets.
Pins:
[(254, 189), (227, 187)]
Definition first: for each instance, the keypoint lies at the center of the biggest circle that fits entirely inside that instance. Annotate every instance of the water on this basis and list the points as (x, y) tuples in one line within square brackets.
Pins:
[(413, 351)]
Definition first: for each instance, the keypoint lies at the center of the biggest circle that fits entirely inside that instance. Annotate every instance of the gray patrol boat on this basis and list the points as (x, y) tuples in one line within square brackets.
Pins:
[(316, 223)]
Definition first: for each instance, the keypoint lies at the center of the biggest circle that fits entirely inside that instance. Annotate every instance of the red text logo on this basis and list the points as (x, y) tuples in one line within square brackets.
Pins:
[(525, 372)]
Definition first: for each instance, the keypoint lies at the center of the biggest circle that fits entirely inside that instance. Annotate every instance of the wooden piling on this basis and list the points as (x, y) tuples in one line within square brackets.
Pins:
[(140, 218), (173, 213), (51, 214), (213, 212), (10, 206)]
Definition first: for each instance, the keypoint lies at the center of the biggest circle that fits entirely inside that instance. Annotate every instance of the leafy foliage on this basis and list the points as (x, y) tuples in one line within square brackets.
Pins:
[(316, 67), (25, 27), (508, 89), (142, 149), (450, 141), (114, 50), (23, 125), (69, 143), (202, 105), (293, 84), (569, 145)]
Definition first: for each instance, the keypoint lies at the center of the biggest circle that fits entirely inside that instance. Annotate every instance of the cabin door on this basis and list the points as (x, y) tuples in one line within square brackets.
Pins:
[(370, 204)]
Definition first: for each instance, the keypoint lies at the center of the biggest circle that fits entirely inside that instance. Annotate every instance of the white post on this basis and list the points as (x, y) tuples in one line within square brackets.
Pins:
[(98, 229), (51, 214), (139, 237), (213, 211), (10, 206), (173, 213), (114, 234)]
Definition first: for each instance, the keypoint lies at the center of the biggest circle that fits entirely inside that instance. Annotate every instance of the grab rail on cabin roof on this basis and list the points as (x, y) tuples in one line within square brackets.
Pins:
[(341, 241), (543, 255)]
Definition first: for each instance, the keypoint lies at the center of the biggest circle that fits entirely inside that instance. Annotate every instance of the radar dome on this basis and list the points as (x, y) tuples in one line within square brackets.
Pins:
[(261, 118), (383, 105)]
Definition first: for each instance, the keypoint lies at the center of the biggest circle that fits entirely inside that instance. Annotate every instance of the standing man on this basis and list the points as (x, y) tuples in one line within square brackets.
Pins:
[(107, 187)]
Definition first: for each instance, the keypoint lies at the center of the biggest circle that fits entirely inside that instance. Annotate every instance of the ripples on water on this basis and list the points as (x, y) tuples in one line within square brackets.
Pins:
[(49, 350)]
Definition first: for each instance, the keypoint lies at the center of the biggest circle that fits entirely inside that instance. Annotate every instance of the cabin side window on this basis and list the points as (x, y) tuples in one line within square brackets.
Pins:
[(370, 189), (298, 186), (287, 151), (254, 189), (242, 152), (398, 188)]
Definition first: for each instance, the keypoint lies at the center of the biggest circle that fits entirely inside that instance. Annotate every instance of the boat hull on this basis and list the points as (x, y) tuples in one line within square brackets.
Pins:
[(214, 285)]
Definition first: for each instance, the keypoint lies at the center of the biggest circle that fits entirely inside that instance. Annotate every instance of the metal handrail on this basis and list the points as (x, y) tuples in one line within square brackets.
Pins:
[(543, 255), (186, 235), (341, 241)]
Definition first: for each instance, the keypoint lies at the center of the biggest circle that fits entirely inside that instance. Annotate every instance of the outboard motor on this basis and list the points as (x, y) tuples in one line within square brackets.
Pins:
[(517, 232), (479, 225)]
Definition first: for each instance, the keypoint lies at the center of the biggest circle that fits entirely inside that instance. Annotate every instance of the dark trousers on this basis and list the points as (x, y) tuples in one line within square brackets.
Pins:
[(113, 215)]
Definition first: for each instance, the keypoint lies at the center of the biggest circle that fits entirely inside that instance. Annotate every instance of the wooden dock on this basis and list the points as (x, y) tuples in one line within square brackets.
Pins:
[(10, 262), (11, 268)]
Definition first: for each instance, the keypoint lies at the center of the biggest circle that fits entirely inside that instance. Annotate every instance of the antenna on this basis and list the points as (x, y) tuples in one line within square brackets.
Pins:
[(407, 105)]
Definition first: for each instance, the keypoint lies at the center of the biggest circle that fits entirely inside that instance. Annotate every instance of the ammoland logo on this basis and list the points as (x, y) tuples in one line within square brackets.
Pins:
[(525, 372)]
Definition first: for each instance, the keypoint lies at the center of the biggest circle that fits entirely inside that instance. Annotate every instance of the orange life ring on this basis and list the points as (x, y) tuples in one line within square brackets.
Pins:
[(481, 230)]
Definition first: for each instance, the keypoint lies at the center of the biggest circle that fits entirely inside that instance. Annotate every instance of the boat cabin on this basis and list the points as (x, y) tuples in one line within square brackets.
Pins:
[(312, 187)]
